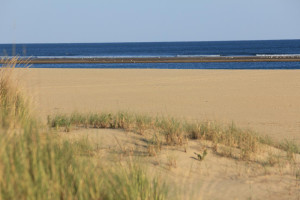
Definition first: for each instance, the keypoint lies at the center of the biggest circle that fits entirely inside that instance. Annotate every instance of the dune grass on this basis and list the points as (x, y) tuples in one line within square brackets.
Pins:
[(177, 133), (38, 165), (14, 107)]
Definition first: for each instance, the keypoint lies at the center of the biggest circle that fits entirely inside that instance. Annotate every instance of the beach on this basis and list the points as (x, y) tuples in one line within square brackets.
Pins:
[(267, 101), (150, 100)]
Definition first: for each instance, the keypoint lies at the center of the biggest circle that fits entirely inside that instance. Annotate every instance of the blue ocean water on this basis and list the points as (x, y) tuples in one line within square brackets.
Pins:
[(234, 65), (160, 49)]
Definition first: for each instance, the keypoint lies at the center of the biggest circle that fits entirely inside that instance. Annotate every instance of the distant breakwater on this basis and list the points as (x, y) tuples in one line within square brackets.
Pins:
[(271, 58)]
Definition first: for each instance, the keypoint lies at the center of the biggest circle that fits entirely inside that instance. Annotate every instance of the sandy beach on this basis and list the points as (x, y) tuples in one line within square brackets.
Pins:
[(150, 100), (267, 101)]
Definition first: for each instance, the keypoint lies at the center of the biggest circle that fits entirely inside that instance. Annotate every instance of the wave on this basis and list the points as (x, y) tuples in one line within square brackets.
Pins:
[(195, 56), (278, 55), (81, 57)]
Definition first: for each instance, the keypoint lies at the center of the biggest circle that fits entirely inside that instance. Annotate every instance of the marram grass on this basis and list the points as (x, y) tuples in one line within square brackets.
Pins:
[(36, 168), (14, 107), (176, 132), (37, 165)]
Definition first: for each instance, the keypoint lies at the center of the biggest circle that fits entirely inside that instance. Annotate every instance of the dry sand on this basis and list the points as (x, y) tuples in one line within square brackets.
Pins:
[(267, 101), (216, 177)]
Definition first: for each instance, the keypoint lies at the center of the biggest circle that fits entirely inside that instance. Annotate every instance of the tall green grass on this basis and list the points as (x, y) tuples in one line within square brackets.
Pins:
[(37, 165)]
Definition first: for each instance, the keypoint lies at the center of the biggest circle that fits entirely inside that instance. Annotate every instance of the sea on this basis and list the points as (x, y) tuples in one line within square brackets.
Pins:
[(160, 49)]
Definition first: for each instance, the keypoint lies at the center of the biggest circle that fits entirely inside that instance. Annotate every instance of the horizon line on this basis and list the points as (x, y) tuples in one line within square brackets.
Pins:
[(143, 42)]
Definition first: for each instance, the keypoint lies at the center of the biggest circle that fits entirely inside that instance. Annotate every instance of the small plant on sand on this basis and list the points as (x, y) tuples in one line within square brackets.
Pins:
[(154, 145), (143, 122), (201, 156), (102, 120), (61, 121), (291, 149), (194, 129), (173, 131), (78, 119), (124, 121)]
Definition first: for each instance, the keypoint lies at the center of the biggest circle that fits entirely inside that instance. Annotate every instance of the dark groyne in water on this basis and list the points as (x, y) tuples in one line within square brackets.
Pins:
[(271, 58)]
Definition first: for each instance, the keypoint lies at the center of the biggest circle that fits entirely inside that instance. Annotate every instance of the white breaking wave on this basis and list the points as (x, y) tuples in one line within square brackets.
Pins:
[(278, 55), (193, 56), (82, 57)]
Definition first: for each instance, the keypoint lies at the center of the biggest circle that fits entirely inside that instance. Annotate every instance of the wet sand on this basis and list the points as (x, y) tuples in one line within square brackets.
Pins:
[(267, 101)]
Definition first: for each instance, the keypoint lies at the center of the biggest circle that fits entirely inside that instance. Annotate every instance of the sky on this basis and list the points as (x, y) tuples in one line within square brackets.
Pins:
[(67, 21)]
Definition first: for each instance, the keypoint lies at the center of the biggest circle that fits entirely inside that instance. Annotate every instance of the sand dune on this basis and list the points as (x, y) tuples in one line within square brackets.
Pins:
[(216, 177)]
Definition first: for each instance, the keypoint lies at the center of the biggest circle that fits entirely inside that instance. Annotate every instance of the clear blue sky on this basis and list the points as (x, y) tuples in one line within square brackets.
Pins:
[(44, 21)]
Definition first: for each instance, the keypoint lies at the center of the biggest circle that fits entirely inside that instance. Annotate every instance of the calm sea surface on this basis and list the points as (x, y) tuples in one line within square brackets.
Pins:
[(161, 49)]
